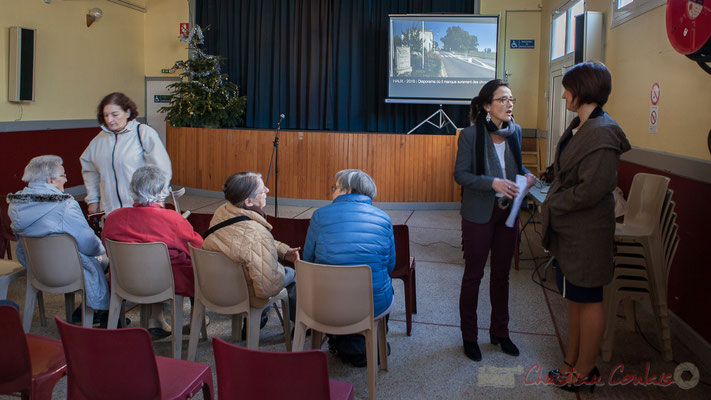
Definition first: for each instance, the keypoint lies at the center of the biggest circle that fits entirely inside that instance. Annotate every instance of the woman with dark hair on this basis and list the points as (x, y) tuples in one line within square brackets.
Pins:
[(122, 146), (488, 160), (240, 230), (579, 217)]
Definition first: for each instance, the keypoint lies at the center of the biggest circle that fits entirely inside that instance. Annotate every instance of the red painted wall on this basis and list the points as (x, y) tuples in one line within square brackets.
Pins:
[(690, 272), (18, 148)]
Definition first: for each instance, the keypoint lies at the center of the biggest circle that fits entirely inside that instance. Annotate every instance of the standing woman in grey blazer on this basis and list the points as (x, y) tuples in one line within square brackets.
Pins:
[(488, 160)]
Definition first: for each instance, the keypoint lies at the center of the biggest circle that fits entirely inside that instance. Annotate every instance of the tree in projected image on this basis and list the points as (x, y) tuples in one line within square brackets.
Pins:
[(459, 40)]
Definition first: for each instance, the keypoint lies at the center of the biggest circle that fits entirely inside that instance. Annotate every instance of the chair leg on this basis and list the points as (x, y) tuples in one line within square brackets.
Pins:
[(407, 282), (196, 323), (69, 306), (122, 315), (316, 339), (177, 337), (413, 283), (237, 327), (299, 336), (115, 311), (286, 322), (40, 303), (31, 295), (372, 359), (4, 285), (87, 315), (253, 321), (145, 315), (381, 330)]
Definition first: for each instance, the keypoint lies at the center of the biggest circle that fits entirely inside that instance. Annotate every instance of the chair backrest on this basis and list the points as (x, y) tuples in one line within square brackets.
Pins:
[(332, 296), (140, 270), (53, 263), (107, 364), (646, 199), (176, 194), (219, 282), (250, 374), (402, 250), (291, 231), (15, 368)]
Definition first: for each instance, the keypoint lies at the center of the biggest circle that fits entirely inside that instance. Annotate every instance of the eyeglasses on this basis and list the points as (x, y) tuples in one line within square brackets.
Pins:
[(334, 188), (505, 100)]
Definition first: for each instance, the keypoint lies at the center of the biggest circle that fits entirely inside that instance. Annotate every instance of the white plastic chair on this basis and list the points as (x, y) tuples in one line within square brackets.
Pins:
[(221, 286), (142, 273), (338, 300), (54, 266)]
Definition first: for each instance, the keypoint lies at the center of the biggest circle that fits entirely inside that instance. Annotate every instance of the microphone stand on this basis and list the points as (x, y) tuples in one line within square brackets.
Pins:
[(275, 160)]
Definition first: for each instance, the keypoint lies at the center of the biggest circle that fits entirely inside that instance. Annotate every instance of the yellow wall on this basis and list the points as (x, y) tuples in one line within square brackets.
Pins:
[(638, 53), (76, 66), (162, 24), (522, 64)]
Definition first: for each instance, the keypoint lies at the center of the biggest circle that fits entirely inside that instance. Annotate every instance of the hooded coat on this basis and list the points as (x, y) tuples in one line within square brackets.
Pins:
[(41, 209), (579, 211), (108, 164)]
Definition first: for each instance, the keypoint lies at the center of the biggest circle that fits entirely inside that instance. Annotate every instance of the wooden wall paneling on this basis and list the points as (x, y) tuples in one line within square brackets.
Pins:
[(406, 168)]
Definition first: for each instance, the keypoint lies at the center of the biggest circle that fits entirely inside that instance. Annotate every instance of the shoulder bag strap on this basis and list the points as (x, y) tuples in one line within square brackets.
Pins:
[(225, 223)]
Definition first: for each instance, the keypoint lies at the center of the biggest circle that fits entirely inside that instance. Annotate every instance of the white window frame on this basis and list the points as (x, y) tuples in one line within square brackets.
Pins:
[(634, 9), (564, 8)]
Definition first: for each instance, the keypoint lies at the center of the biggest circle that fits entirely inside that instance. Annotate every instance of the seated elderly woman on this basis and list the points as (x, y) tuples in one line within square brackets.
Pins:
[(42, 208), (149, 221), (239, 229), (351, 231)]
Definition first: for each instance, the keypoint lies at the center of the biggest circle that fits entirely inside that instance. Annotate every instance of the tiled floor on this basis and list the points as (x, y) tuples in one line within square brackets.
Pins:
[(430, 364)]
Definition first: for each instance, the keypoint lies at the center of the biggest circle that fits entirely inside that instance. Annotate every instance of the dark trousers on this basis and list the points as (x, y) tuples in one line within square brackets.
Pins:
[(477, 241)]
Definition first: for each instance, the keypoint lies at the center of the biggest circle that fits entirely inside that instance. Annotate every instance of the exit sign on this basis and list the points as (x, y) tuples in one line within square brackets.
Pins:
[(165, 71)]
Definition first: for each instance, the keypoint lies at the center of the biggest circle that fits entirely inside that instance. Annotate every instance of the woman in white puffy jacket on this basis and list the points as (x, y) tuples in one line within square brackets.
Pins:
[(122, 146)]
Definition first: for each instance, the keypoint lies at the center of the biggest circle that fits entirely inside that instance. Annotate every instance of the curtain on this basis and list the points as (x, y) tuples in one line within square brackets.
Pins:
[(322, 63)]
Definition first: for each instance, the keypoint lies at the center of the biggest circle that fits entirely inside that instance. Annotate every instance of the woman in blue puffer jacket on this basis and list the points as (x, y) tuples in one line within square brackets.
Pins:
[(350, 231)]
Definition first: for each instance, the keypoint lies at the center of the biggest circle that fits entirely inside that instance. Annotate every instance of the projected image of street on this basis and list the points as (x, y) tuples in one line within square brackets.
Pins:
[(444, 49), (441, 57)]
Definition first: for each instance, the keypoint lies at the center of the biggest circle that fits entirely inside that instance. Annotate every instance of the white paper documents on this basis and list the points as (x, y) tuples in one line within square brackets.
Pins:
[(521, 184)]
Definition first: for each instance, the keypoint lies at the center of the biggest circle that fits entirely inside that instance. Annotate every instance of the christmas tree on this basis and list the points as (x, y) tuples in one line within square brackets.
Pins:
[(204, 97)]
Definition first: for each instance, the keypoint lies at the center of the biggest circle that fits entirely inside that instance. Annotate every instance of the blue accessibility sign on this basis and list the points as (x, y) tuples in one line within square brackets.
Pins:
[(161, 98), (523, 44)]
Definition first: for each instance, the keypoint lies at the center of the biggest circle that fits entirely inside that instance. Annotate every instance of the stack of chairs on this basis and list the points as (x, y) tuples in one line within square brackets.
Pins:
[(646, 243)]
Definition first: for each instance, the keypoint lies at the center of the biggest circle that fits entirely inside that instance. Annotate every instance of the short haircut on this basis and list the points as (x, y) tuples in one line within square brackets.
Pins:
[(485, 96), (588, 82), (241, 186), (357, 182), (120, 100), (147, 185), (42, 168)]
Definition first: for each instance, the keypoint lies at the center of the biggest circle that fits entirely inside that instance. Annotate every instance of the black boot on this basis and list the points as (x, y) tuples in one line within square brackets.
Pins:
[(471, 349), (506, 344)]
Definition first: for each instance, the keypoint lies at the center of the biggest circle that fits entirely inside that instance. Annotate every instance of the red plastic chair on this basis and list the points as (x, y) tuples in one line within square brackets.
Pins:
[(31, 364), (248, 374), (118, 364), (405, 270), (200, 222), (291, 231)]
